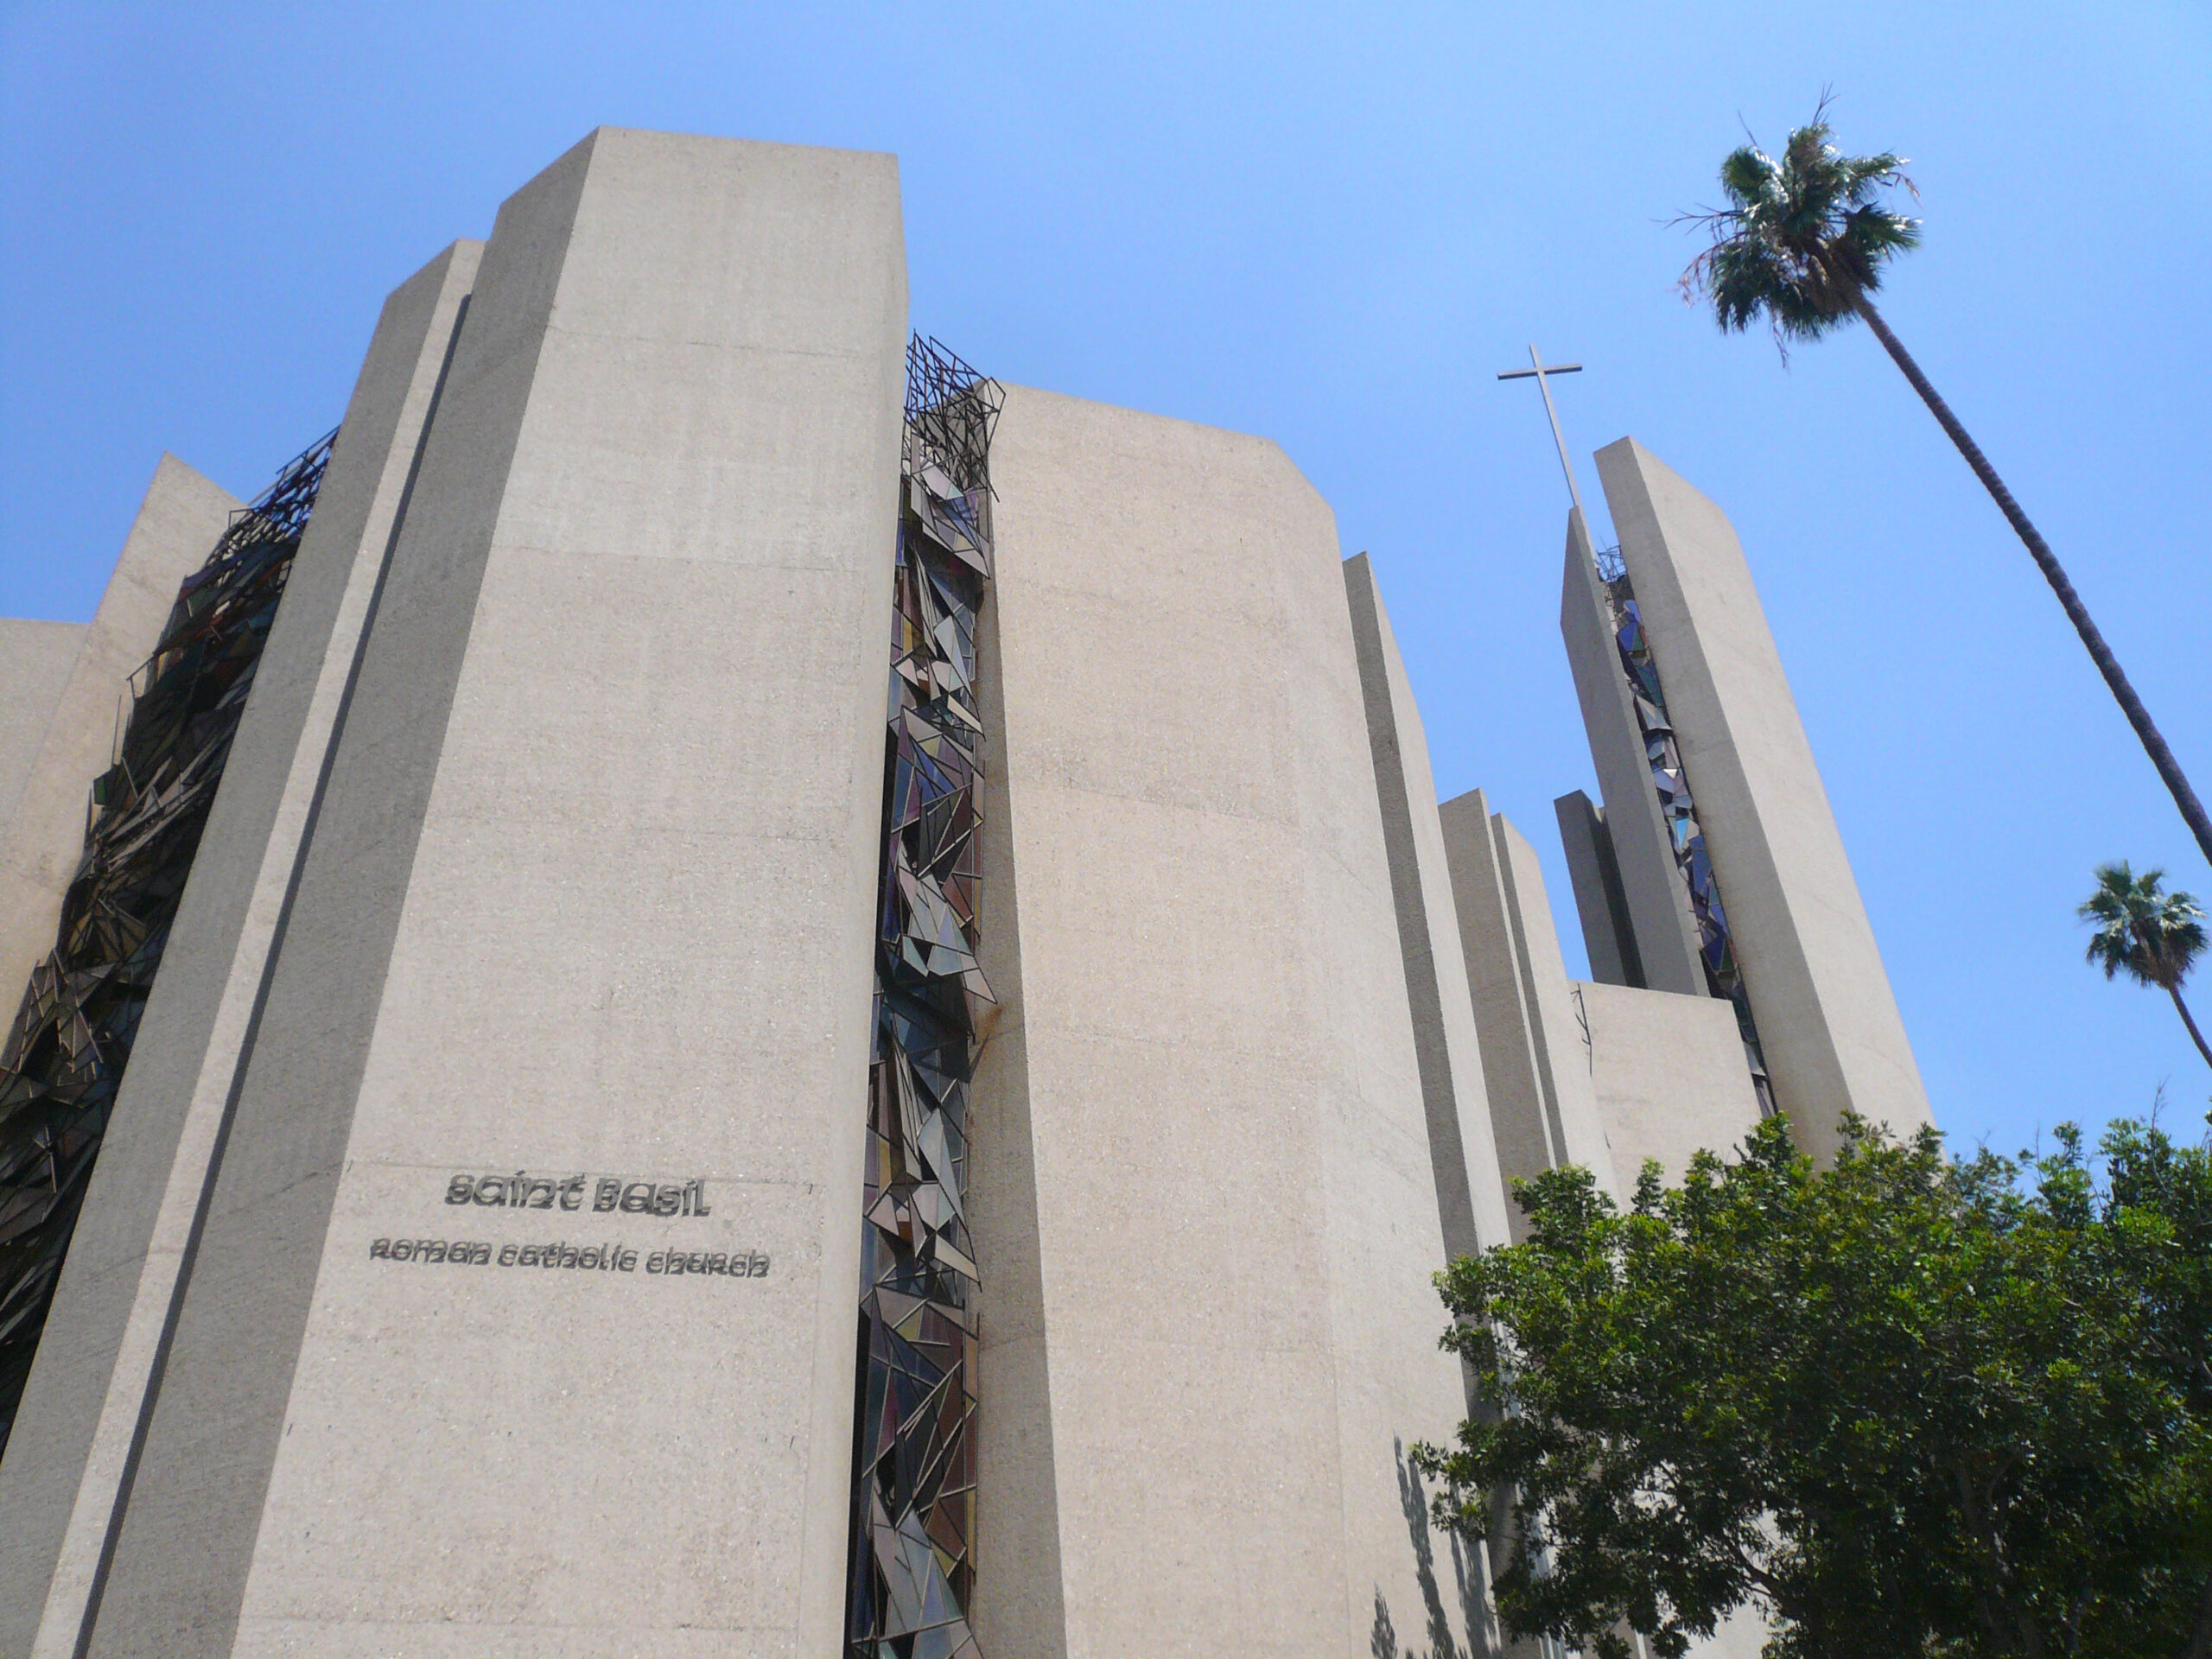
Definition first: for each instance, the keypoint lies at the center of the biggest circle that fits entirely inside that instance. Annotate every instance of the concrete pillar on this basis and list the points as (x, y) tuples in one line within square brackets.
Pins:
[(1203, 1186), (1469, 1194), (178, 524), (1536, 1060), (35, 658), (97, 1368), (589, 899), (1559, 1031), (1827, 1021), (1658, 904), (1608, 935)]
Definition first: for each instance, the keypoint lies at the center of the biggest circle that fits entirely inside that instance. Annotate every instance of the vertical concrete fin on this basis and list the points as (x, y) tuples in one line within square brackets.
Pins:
[(1558, 1026), (1600, 903), (97, 1370), (1019, 1605), (215, 1417), (180, 521), (1664, 931), (591, 889), (35, 658), (1827, 1018), (1469, 1193), (1520, 1127)]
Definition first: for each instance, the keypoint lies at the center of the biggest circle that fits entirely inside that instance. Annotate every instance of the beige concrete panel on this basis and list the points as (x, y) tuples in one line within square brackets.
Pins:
[(1557, 1029), (1827, 1017), (180, 521), (1470, 1196), (631, 934), (1669, 1075), (1235, 1200), (35, 658), (1607, 935), (1520, 1127), (165, 1136), (1658, 904), (1017, 1609)]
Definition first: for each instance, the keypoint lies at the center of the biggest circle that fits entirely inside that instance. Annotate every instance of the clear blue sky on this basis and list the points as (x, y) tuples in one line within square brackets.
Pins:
[(1330, 225)]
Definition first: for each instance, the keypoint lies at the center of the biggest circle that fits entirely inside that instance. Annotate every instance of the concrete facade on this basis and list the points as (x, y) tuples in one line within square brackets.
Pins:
[(1668, 1075), (35, 658), (1827, 1017), (579, 899), (1665, 933), (1470, 1196), (1608, 935), (1557, 1029), (545, 867), (64, 1479), (1543, 1111), (178, 524), (1209, 1335)]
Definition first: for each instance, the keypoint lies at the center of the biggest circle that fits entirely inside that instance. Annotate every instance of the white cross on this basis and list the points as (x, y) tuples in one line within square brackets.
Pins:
[(1538, 373)]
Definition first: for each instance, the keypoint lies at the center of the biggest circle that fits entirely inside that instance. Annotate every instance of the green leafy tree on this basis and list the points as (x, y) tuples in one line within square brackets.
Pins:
[(1803, 243), (1905, 1405), (2153, 936)]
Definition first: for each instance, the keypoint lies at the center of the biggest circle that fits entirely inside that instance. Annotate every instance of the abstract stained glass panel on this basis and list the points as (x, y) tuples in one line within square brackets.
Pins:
[(914, 1522), (64, 1057)]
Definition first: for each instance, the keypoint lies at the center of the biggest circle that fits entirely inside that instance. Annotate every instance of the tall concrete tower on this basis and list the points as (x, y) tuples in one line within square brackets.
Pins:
[(1716, 865)]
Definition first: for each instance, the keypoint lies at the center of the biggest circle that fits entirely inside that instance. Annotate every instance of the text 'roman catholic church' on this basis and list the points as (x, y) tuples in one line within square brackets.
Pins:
[(716, 987)]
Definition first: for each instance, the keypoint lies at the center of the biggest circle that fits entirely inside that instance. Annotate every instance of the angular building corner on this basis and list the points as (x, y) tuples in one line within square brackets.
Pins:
[(782, 1000)]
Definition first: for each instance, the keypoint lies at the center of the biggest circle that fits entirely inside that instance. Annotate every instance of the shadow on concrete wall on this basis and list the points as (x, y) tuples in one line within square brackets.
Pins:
[(1467, 1582)]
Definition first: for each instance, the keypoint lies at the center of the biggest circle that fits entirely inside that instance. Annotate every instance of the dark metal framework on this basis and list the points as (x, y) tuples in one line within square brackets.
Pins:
[(912, 1562), (1724, 975), (64, 1057)]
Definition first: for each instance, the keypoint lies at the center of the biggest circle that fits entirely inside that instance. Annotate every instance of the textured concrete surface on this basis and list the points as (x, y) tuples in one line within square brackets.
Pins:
[(1535, 1055), (1527, 1140), (97, 1363), (1558, 1030), (1669, 1076), (1019, 1602), (179, 522), (1227, 1206), (35, 658), (591, 891), (1608, 935), (1658, 904), (1470, 1196), (1828, 1020)]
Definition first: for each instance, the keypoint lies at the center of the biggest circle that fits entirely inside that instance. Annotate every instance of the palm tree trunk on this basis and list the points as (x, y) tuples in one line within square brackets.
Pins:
[(2182, 1009), (2192, 810)]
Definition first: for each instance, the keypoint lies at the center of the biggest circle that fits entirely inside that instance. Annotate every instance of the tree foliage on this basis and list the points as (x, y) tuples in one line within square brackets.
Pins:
[(2153, 936), (1803, 238), (1905, 1405)]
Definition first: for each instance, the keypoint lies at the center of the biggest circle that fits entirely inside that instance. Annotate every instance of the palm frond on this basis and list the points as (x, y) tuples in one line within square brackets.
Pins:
[(2153, 936), (1802, 238)]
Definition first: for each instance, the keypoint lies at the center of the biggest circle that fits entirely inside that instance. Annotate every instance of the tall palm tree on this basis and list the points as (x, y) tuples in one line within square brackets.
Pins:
[(1802, 242), (2155, 937)]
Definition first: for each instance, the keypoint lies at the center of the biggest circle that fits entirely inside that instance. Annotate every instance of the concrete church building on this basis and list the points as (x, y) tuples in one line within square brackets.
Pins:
[(781, 1002)]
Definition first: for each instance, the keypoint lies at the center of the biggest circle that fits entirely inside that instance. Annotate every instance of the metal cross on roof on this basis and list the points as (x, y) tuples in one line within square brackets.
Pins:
[(1538, 373)]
